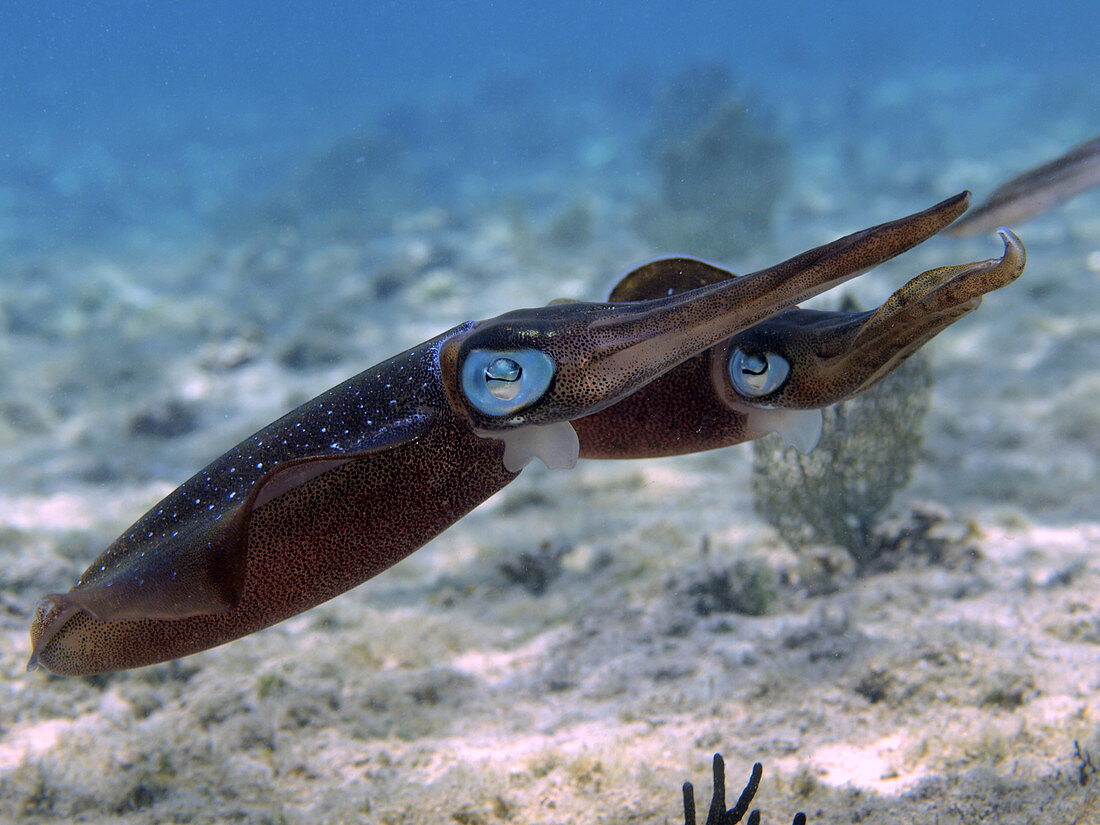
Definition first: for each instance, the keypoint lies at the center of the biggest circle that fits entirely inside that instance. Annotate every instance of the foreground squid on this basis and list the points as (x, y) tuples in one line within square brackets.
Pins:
[(353, 481)]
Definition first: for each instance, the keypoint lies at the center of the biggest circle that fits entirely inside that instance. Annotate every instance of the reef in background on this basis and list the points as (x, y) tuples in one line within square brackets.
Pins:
[(721, 171)]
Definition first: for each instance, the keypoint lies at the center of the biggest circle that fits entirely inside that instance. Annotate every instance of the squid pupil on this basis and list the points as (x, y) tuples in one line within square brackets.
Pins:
[(755, 365), (502, 378)]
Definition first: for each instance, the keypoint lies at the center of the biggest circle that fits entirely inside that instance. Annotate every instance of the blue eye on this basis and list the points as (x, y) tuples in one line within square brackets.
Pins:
[(500, 382), (758, 374)]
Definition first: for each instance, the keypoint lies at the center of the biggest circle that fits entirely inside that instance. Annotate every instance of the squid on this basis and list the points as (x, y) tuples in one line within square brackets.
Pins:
[(355, 480), (1035, 191), (776, 376)]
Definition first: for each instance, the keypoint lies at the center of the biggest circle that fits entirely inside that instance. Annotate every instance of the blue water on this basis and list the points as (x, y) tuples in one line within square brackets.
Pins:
[(124, 119), (210, 211)]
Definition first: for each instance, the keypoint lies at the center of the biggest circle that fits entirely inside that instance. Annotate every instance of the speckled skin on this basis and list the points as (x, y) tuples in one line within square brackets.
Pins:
[(309, 544), (679, 413), (356, 479), (297, 560), (833, 356)]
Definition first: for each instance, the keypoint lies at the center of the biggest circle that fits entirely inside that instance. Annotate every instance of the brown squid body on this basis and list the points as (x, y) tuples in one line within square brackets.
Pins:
[(356, 479)]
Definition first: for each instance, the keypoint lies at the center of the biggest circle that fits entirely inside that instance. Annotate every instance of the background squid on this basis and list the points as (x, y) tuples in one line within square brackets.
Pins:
[(777, 375), (353, 481), (1036, 190)]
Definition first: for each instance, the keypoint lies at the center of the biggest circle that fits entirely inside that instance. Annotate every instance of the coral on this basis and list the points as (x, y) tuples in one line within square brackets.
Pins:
[(534, 571), (867, 452), (927, 532), (721, 173), (351, 186), (718, 815), (1085, 767), (744, 586)]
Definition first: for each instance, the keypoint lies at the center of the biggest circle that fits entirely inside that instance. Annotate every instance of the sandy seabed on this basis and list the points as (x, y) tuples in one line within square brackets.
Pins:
[(539, 662)]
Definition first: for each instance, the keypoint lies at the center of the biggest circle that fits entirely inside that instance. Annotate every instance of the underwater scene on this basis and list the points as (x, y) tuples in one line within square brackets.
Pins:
[(484, 412)]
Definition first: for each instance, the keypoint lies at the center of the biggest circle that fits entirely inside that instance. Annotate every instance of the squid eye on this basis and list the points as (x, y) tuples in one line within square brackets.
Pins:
[(757, 375), (499, 382)]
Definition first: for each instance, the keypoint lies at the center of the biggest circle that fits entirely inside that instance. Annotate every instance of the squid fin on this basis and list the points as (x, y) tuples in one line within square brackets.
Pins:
[(667, 276)]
